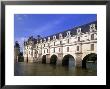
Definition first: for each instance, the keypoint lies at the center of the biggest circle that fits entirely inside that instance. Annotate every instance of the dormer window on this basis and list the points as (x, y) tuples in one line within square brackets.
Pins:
[(78, 30), (37, 41), (60, 35), (92, 27), (54, 37), (44, 40), (68, 33), (41, 40), (48, 38)]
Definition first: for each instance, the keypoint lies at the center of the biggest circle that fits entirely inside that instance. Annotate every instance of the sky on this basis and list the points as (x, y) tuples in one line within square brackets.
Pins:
[(26, 25)]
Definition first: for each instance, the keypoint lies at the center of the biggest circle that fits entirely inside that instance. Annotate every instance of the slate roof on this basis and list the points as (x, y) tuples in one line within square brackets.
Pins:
[(73, 31)]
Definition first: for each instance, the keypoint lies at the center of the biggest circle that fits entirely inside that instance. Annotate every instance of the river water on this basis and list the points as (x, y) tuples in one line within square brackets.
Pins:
[(35, 69)]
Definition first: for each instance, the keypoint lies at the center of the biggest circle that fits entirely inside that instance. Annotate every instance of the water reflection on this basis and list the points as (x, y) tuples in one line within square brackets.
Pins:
[(34, 69)]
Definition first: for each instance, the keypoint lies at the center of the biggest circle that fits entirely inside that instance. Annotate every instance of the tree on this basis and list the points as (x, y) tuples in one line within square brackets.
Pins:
[(17, 44)]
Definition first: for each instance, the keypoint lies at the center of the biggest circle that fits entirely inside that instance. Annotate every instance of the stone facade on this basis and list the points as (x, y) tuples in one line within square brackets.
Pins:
[(77, 42)]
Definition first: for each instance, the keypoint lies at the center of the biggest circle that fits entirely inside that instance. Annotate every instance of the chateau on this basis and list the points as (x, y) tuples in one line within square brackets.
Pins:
[(72, 46)]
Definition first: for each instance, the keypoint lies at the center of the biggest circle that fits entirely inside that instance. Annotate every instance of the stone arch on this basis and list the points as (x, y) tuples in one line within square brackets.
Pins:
[(44, 59), (68, 60), (90, 61), (53, 59)]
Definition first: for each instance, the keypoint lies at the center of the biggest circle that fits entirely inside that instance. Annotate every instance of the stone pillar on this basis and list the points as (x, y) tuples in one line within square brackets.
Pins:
[(59, 60), (39, 58), (30, 59), (48, 58), (78, 60), (25, 59)]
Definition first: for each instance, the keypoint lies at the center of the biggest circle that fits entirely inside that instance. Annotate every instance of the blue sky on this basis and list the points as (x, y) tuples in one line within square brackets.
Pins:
[(26, 25)]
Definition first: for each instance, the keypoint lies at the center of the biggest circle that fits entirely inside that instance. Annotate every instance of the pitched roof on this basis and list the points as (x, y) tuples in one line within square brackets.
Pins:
[(73, 31)]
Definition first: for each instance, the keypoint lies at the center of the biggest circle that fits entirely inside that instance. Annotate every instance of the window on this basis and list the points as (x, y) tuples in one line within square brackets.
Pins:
[(54, 37), (47, 50), (67, 49), (48, 44), (54, 50), (31, 53), (54, 43), (44, 45), (60, 42), (92, 47), (77, 48), (68, 40), (44, 51), (35, 52), (59, 49), (78, 38), (92, 37)]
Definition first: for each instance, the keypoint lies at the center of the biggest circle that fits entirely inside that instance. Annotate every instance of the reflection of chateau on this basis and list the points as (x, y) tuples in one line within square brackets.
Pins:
[(73, 44)]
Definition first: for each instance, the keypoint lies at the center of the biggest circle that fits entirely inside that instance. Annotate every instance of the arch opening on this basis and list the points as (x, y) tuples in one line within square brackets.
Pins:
[(68, 60), (44, 59), (90, 61), (53, 59)]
